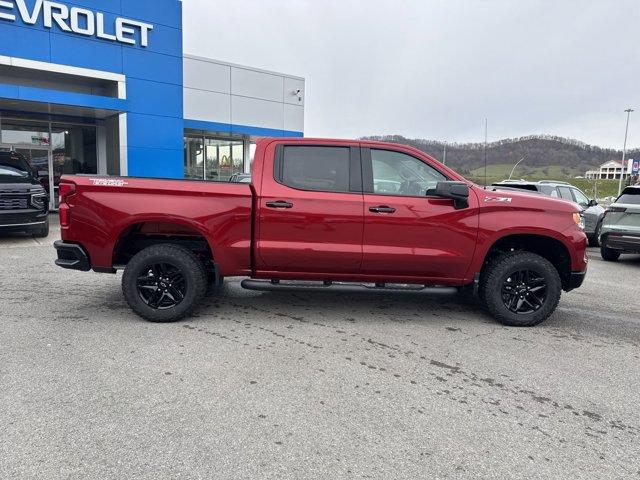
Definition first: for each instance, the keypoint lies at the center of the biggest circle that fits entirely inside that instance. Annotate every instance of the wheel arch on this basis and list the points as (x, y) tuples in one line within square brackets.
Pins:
[(547, 246), (141, 232)]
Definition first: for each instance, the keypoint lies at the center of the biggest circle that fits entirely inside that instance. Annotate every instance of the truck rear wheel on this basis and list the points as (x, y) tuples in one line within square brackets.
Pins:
[(162, 283), (521, 289)]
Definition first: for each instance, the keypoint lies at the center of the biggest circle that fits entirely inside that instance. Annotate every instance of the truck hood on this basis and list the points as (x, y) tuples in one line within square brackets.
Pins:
[(17, 179), (524, 199), (20, 187)]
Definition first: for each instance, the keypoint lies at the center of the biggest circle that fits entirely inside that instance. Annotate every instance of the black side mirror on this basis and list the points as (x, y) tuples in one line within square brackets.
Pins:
[(592, 203), (457, 191)]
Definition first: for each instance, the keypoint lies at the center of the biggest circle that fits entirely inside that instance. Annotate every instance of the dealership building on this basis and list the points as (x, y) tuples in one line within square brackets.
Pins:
[(105, 87)]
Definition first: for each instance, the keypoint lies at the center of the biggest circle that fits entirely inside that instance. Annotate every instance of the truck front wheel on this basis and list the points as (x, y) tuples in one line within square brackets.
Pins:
[(521, 289), (162, 283)]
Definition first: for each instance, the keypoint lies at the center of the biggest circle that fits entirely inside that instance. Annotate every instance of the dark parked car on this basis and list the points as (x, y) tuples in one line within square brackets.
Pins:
[(620, 231), (240, 178), (24, 203), (593, 213)]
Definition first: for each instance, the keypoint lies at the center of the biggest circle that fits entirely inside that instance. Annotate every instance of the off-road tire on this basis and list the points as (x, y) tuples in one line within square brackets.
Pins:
[(608, 254), (502, 267), (192, 270)]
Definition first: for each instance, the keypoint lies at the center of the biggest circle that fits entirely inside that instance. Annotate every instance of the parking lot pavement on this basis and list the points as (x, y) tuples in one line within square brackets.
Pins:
[(332, 386)]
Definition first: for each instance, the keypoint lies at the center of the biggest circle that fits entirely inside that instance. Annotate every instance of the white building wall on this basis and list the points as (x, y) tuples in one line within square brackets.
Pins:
[(221, 92)]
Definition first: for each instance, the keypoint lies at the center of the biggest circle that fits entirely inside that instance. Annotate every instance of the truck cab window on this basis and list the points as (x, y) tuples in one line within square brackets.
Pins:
[(324, 169), (396, 173)]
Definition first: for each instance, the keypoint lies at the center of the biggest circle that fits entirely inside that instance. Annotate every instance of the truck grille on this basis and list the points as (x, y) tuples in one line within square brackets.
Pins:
[(14, 203)]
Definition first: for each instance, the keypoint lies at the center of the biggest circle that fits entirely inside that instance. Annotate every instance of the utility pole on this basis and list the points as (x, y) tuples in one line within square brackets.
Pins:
[(444, 154), (624, 150), (486, 130)]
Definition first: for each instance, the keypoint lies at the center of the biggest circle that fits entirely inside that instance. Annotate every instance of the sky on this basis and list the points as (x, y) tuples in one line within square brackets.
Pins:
[(436, 69)]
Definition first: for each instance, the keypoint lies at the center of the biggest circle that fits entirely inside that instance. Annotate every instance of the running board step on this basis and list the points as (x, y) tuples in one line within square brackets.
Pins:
[(278, 286)]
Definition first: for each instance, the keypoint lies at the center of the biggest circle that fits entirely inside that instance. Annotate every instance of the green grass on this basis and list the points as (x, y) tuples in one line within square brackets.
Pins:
[(553, 172)]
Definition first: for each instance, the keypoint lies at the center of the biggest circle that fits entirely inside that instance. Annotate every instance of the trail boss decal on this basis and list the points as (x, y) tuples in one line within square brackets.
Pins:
[(108, 182)]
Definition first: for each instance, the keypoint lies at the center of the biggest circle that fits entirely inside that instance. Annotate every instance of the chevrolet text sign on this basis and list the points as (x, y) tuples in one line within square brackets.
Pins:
[(77, 20)]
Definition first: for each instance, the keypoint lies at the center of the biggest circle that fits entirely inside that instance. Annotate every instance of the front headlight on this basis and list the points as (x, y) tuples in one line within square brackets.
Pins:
[(578, 218), (38, 200)]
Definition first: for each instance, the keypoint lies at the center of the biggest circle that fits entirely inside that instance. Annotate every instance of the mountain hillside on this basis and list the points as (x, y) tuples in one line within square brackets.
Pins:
[(567, 157)]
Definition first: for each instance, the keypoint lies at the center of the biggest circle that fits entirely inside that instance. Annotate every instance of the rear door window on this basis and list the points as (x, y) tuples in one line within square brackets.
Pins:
[(549, 190), (318, 168), (565, 192), (630, 198)]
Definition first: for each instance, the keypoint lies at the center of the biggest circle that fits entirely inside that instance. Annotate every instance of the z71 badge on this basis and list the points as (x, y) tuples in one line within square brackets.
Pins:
[(498, 199)]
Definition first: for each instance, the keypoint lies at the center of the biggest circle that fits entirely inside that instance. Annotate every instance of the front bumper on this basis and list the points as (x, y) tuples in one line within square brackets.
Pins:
[(22, 220), (72, 256), (623, 241), (575, 280)]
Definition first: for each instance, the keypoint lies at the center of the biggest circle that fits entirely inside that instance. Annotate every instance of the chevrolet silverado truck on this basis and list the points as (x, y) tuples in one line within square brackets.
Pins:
[(322, 215)]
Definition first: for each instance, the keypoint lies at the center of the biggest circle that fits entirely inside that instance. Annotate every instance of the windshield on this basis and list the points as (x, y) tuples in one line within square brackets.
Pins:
[(629, 198), (14, 166)]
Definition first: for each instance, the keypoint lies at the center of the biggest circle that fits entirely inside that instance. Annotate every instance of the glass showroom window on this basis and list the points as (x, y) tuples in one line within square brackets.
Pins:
[(212, 159), (193, 158)]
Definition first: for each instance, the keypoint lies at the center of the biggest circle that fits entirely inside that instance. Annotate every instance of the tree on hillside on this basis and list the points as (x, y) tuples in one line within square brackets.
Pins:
[(540, 151)]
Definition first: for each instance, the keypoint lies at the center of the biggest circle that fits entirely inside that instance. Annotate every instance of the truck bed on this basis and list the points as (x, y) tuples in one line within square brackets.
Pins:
[(106, 210)]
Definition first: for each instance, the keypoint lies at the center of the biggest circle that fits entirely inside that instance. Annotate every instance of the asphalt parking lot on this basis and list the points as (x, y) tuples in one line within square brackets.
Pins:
[(274, 385)]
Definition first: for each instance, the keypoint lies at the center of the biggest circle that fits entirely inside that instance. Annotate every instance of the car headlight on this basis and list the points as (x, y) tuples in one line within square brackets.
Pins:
[(38, 200)]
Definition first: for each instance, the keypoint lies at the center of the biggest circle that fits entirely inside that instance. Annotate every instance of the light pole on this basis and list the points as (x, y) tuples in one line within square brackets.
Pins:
[(444, 154), (624, 150), (514, 167)]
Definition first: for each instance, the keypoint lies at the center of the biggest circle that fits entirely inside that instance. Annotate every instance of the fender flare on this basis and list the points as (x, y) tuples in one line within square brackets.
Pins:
[(122, 227)]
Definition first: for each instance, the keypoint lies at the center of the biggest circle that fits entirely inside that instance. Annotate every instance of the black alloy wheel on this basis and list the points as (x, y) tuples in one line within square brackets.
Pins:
[(163, 282), (524, 292), (163, 286), (520, 288)]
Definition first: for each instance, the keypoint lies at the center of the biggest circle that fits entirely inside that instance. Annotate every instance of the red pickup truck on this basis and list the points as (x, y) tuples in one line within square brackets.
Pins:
[(321, 215)]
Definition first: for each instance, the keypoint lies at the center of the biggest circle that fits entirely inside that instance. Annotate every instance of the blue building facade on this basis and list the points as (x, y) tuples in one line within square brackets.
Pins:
[(109, 75)]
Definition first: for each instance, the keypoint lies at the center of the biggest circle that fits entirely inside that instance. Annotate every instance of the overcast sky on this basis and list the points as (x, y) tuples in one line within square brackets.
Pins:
[(435, 68)]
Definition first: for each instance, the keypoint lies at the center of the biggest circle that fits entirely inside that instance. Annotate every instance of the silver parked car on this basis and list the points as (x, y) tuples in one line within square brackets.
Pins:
[(240, 178), (593, 213), (620, 231)]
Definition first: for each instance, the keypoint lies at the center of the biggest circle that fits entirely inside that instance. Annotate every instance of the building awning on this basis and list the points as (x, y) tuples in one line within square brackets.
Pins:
[(54, 102)]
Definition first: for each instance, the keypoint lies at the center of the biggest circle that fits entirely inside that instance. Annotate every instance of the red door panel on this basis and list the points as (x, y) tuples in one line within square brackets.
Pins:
[(321, 232), (406, 232), (307, 229), (423, 237)]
